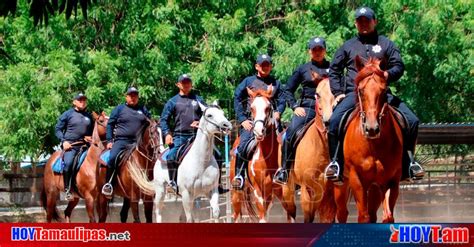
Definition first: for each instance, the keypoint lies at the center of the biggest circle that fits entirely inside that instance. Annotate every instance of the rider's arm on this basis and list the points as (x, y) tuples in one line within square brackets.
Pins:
[(240, 98), (111, 124), (166, 116), (336, 71), (395, 63), (291, 86), (61, 126)]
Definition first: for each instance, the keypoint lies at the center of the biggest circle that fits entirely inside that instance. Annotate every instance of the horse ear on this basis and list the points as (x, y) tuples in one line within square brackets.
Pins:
[(269, 90), (359, 63), (94, 115), (250, 93), (215, 103), (203, 107)]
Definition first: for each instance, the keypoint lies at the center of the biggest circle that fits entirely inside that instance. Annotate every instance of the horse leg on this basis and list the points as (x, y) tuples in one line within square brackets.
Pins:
[(237, 199), (102, 208), (391, 197), (261, 205), (341, 196), (306, 204), (70, 206), (214, 202), (135, 212), (374, 198), (159, 201), (51, 198), (124, 210), (360, 196), (90, 207), (188, 202), (148, 205), (288, 201)]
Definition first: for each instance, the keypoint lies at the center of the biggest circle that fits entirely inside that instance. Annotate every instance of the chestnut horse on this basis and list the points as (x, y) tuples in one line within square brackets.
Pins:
[(311, 158), (86, 178), (264, 161), (373, 149), (135, 169)]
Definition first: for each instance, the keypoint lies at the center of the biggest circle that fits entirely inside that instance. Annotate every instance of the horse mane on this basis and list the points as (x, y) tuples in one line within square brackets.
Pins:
[(371, 67)]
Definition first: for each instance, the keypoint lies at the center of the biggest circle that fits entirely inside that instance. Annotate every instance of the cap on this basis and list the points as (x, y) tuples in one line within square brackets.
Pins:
[(132, 90), (263, 58), (79, 96), (316, 41), (184, 77), (366, 12)]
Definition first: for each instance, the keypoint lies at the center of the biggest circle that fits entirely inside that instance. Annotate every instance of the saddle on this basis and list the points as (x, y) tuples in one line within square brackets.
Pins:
[(105, 156), (182, 151), (58, 165)]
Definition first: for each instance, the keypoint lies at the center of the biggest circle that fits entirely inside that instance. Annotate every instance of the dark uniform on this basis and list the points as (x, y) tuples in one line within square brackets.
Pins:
[(371, 45), (73, 126), (124, 125), (301, 76), (243, 111), (184, 110)]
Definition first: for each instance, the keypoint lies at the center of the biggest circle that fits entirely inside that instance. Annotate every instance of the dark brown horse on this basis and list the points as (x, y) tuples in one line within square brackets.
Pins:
[(311, 157), (135, 169), (372, 149), (86, 179), (264, 161)]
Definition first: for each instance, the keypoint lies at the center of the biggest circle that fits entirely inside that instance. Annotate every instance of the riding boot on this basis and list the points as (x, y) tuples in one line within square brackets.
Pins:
[(334, 170), (238, 181), (281, 175), (173, 174), (67, 184), (107, 189), (410, 168)]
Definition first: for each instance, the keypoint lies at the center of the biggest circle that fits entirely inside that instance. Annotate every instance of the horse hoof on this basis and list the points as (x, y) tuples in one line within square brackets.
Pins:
[(215, 214)]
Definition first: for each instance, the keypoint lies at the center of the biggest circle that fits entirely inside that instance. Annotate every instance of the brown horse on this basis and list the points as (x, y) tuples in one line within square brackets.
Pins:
[(264, 161), (136, 168), (372, 149), (86, 181), (311, 157)]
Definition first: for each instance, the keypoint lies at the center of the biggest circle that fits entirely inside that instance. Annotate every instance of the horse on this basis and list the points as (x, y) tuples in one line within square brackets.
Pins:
[(198, 173), (373, 149), (135, 168), (86, 179), (264, 161), (311, 157)]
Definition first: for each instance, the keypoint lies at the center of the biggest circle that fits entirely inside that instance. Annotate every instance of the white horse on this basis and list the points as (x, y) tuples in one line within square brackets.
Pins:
[(198, 174)]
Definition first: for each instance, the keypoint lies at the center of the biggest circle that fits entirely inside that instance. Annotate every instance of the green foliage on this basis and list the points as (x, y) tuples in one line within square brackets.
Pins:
[(149, 43)]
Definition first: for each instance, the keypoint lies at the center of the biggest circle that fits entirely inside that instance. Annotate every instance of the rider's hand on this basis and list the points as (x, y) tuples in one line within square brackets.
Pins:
[(339, 98), (66, 146), (109, 145), (385, 74), (276, 116), (88, 138), (300, 112), (195, 124), (247, 124), (169, 139)]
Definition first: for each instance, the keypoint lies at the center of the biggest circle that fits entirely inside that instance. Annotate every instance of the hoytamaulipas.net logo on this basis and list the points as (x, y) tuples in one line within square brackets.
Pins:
[(73, 234), (435, 234)]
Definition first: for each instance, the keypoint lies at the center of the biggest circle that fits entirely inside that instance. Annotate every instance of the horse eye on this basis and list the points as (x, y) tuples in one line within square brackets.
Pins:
[(209, 115)]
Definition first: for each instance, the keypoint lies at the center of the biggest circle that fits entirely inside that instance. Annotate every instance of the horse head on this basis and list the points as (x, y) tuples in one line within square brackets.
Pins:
[(213, 119), (262, 111), (324, 97), (371, 88), (101, 120)]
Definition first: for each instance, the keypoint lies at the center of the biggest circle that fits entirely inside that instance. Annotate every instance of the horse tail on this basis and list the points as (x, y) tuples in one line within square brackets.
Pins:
[(44, 202), (140, 177), (327, 208), (249, 206)]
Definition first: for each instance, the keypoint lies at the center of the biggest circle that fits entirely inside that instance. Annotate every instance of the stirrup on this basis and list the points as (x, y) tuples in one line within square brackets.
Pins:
[(416, 171), (332, 172), (107, 190), (69, 196), (238, 182), (279, 177)]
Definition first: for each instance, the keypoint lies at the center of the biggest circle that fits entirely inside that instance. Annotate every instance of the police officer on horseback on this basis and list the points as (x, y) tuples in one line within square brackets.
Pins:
[(304, 109), (125, 123), (74, 128), (368, 43), (262, 80), (184, 109)]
